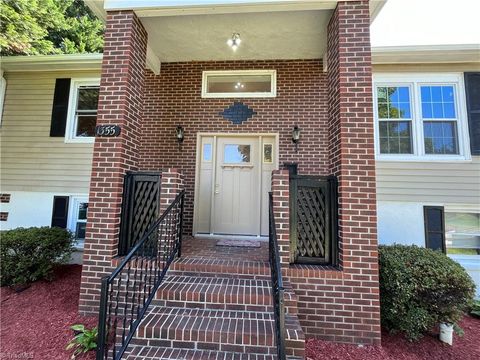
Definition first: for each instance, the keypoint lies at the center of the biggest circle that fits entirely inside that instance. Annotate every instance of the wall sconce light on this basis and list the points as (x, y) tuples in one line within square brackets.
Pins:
[(296, 136), (180, 134)]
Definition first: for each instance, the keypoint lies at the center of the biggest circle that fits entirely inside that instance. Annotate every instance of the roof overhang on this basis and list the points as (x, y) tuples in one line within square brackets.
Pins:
[(186, 30), (68, 62), (426, 54), (144, 8), (398, 55)]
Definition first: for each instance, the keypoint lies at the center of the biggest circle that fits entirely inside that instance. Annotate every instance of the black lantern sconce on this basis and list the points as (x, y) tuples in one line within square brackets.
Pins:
[(180, 134), (296, 136)]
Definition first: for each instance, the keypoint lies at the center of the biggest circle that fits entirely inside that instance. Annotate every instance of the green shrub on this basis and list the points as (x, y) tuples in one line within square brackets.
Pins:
[(420, 288), (28, 255), (475, 309)]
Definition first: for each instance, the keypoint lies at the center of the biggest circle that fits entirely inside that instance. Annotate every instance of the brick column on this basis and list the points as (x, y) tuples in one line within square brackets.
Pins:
[(172, 184), (351, 132), (120, 103), (281, 213)]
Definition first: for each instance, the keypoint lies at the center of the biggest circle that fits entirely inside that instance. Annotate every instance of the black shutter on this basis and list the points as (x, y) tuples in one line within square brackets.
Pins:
[(472, 89), (434, 227), (60, 211), (60, 107)]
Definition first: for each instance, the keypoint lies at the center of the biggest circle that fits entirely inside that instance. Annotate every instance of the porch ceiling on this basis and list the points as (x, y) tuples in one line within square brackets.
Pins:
[(265, 35), (186, 30)]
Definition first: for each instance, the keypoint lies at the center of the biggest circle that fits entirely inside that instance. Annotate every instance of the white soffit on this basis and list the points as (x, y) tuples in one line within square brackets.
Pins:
[(265, 35)]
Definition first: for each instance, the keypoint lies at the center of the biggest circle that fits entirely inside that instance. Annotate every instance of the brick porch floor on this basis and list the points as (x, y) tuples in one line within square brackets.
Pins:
[(201, 247)]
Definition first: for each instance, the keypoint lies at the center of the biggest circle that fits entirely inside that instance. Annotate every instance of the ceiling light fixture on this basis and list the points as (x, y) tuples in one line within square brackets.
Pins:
[(239, 85), (235, 41)]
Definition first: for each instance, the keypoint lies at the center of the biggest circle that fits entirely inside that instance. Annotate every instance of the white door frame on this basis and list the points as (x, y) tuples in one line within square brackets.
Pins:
[(215, 136)]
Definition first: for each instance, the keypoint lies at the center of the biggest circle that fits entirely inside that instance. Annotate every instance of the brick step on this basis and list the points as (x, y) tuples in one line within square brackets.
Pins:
[(162, 353), (215, 293), (290, 300), (294, 337), (219, 330), (234, 268)]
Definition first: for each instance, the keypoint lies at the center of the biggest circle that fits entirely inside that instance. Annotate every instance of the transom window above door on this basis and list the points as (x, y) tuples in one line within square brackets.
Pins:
[(239, 84), (420, 117), (82, 110)]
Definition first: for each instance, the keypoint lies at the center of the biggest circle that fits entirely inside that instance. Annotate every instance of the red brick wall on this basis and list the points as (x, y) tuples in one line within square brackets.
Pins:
[(281, 210), (120, 103), (334, 112), (353, 161), (343, 304), (171, 185), (174, 98)]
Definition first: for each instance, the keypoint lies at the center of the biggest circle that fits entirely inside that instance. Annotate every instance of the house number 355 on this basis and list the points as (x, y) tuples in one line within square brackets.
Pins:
[(107, 130)]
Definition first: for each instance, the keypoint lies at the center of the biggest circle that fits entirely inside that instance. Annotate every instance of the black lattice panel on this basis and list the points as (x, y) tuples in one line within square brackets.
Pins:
[(145, 208), (311, 222), (141, 204)]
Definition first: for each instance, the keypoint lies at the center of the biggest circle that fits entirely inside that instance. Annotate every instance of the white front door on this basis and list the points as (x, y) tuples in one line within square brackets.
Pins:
[(236, 188)]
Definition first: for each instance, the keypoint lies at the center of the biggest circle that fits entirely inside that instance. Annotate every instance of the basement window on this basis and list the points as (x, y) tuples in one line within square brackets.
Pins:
[(77, 218), (239, 84)]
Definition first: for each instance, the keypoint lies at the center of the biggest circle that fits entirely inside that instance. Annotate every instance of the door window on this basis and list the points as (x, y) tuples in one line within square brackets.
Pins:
[(236, 154)]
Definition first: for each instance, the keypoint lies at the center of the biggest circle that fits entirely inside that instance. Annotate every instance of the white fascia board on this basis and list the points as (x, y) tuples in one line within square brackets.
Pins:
[(148, 8), (375, 7), (52, 62), (97, 7), (426, 54)]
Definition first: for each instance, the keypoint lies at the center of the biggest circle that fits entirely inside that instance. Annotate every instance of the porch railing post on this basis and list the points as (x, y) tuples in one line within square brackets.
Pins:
[(281, 294), (102, 319), (180, 235)]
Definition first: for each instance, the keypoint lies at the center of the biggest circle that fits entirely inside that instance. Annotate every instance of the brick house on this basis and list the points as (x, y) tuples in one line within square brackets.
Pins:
[(288, 112)]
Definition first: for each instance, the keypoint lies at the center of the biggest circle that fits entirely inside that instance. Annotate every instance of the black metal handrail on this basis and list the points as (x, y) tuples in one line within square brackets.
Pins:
[(128, 291), (277, 283)]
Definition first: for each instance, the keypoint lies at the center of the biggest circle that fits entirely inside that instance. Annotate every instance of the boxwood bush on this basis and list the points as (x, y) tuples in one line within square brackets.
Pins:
[(29, 254), (420, 288)]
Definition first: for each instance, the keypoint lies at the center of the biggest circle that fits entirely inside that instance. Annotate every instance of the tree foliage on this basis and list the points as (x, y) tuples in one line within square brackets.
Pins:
[(41, 27)]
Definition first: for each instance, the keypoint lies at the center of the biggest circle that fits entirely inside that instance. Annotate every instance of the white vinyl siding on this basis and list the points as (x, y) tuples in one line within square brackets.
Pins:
[(439, 182), (31, 160)]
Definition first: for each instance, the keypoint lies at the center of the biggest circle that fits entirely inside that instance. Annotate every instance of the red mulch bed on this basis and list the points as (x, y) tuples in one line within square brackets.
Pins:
[(396, 347), (35, 323)]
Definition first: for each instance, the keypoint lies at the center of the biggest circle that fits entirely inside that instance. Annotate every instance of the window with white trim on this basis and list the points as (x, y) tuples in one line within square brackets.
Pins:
[(239, 84), (77, 223), (82, 110), (462, 230), (420, 117), (439, 119), (395, 119)]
